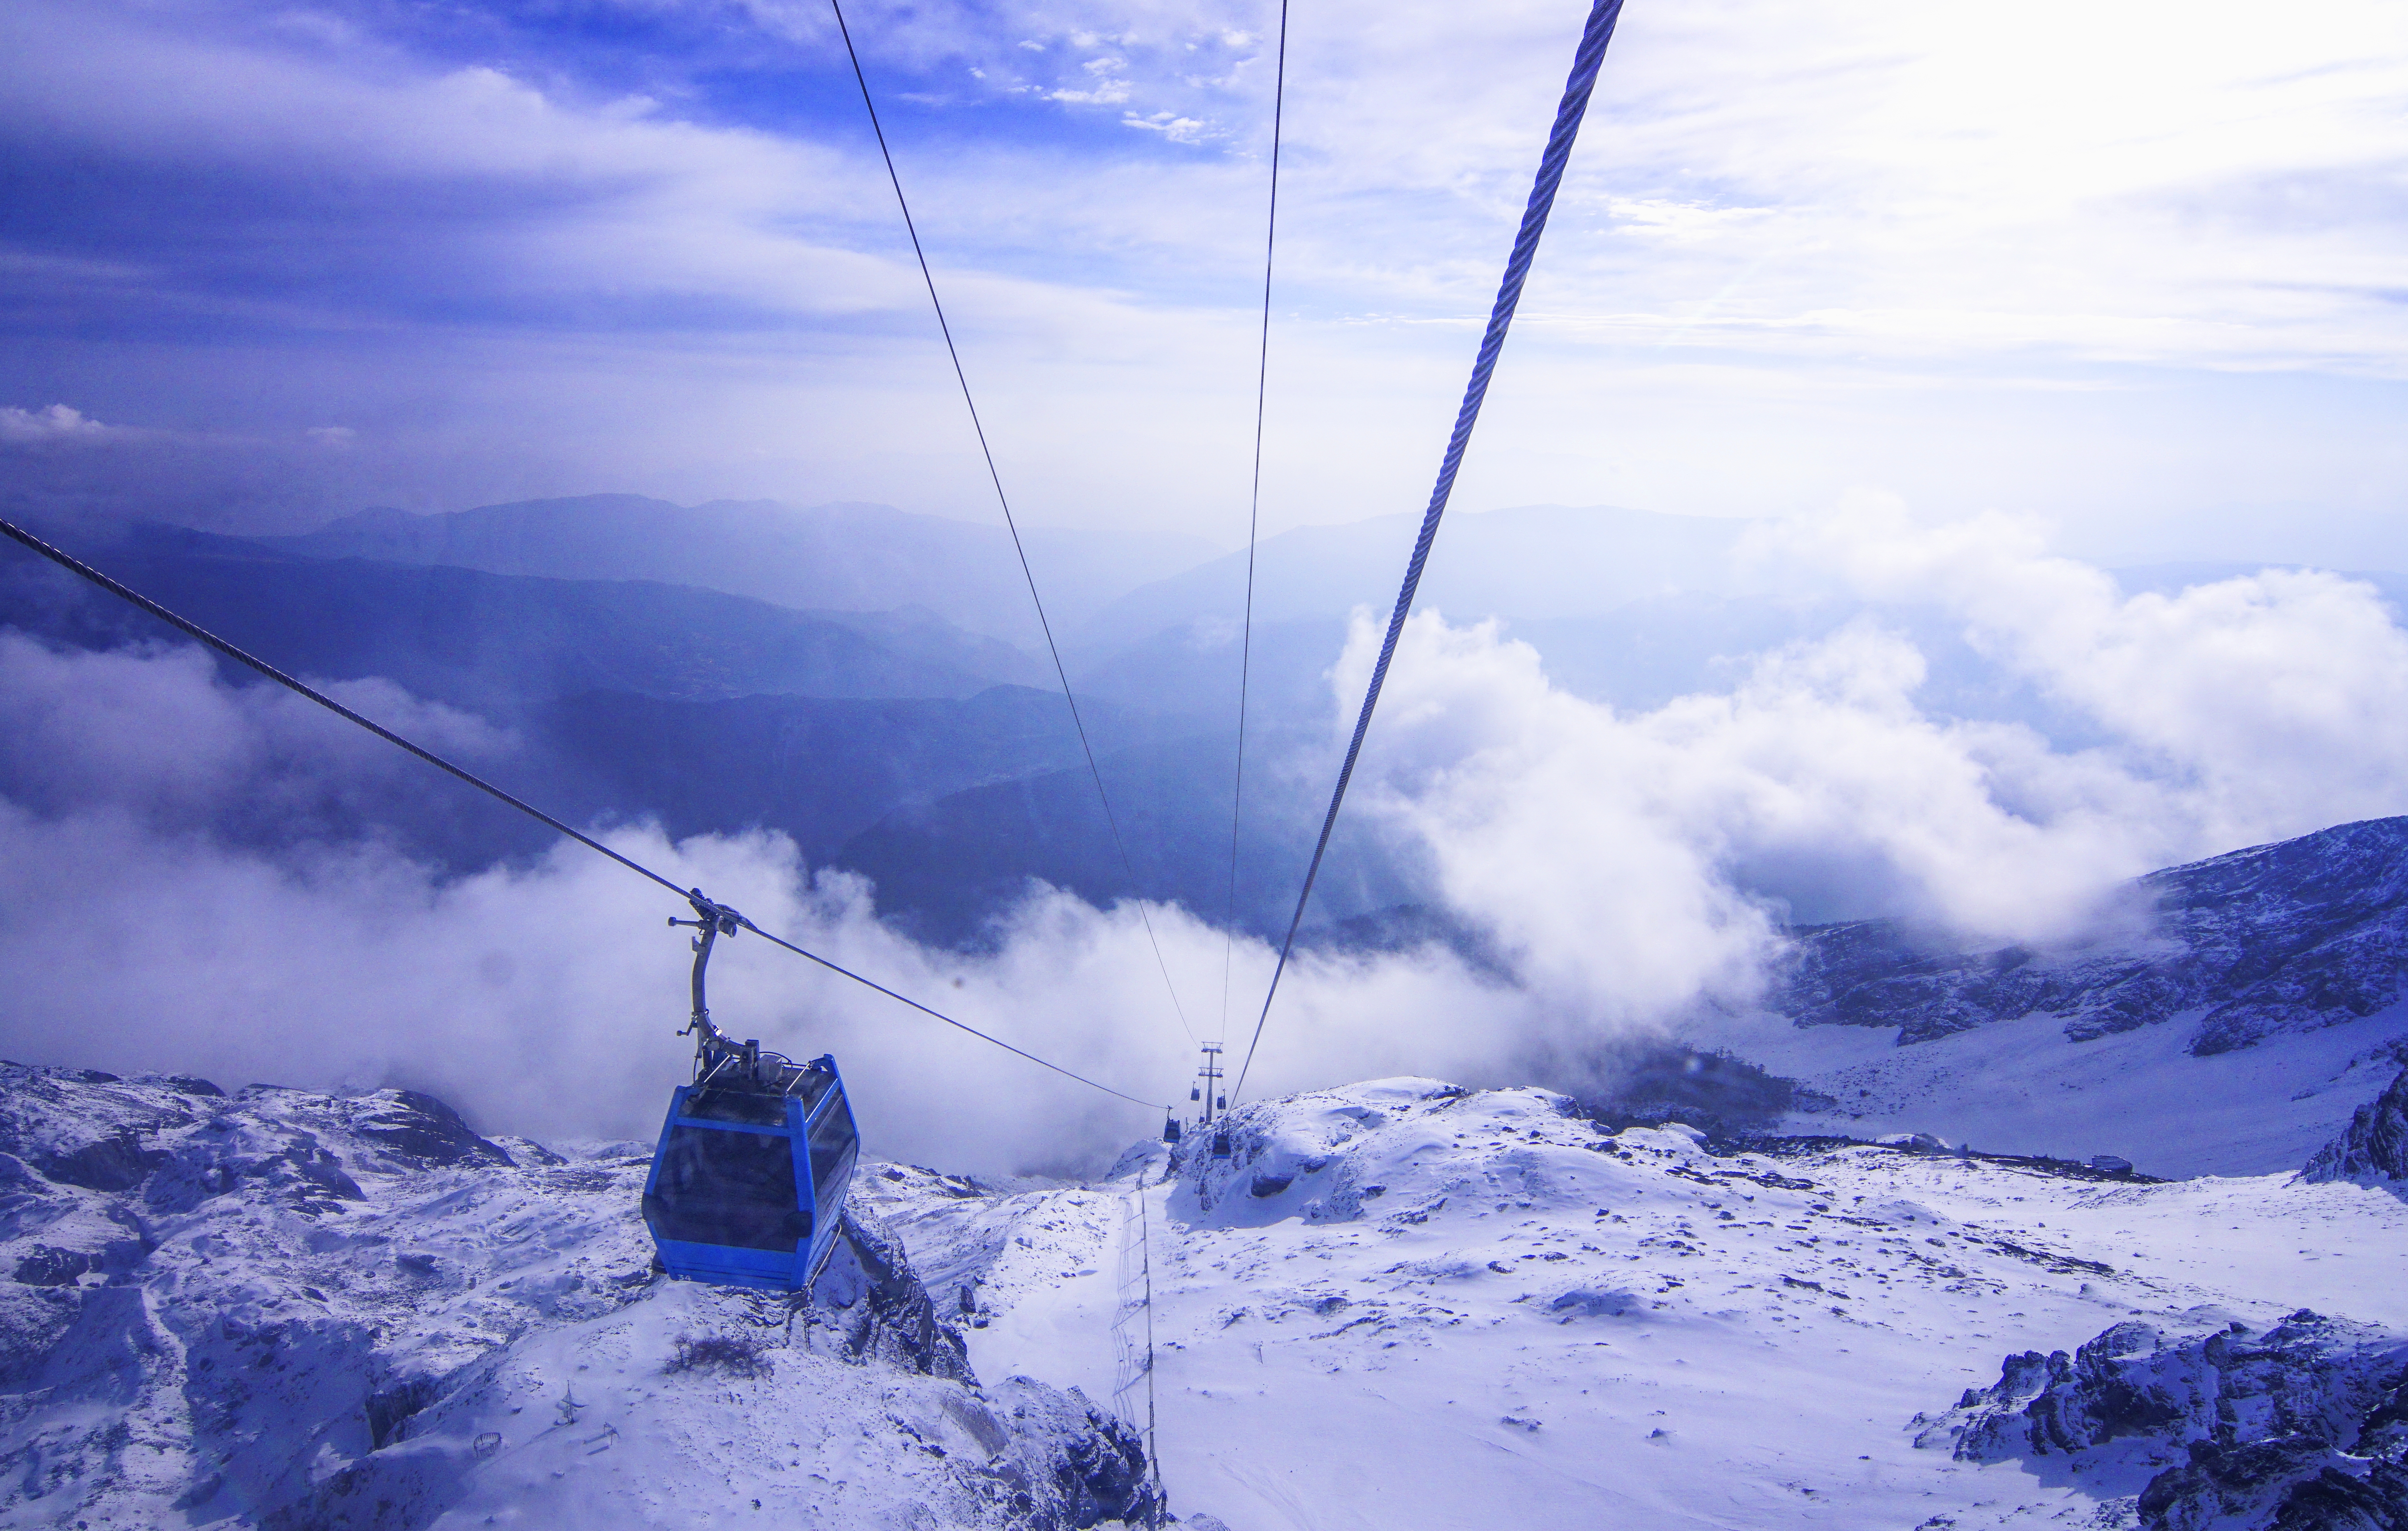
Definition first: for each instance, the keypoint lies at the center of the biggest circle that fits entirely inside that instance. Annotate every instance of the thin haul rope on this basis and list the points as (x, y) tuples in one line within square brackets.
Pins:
[(1253, 518), (1586, 62), (76, 565), (996, 476)]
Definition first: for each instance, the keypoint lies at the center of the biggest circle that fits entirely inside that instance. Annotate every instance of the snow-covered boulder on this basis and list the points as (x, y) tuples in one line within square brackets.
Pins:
[(2375, 1146), (2305, 1424), (286, 1309)]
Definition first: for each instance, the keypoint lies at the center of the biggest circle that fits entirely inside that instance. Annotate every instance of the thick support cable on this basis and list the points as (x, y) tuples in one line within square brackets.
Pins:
[(75, 565), (1011, 523), (1586, 62), (1253, 518)]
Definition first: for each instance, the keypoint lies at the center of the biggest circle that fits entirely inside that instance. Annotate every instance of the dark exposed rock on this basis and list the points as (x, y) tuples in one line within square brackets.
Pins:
[(116, 1162), (2305, 1425), (77, 1127), (870, 1296), (2286, 1485), (1100, 1474), (2375, 1146), (420, 1128), (388, 1410), (2308, 933), (728, 1354), (222, 1156), (49, 1266), (1652, 1083), (322, 1169)]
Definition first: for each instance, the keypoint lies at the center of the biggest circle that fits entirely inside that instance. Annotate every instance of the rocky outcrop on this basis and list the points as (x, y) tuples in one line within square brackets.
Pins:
[(1094, 1470), (2305, 1424), (2375, 1146), (877, 1307), (2291, 936), (1292, 1157)]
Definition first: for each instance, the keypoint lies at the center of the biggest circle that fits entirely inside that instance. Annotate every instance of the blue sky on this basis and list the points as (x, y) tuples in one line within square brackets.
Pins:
[(2135, 270)]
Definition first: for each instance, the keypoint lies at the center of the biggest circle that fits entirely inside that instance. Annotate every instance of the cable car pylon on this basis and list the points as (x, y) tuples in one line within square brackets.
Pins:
[(1207, 1089)]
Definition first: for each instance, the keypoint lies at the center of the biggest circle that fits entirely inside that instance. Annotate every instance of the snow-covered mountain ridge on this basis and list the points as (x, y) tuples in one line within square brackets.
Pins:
[(1399, 1304), (2224, 1018), (2291, 937), (287, 1310), (1404, 1304)]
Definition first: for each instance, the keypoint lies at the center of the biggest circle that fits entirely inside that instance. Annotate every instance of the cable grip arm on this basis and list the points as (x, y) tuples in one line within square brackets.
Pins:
[(713, 919)]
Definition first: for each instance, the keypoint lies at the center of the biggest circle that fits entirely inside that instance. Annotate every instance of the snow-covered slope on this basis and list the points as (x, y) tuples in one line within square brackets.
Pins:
[(2229, 1023), (285, 1309), (1398, 1305), (1403, 1304), (2285, 938), (2020, 1086)]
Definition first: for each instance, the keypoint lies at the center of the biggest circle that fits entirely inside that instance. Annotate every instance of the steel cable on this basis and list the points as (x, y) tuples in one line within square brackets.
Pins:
[(1586, 60), (1254, 517), (996, 476)]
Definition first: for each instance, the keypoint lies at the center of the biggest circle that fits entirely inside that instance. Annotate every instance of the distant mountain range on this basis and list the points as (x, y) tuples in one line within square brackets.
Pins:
[(1537, 561), (827, 770), (492, 642), (844, 557), (948, 863), (890, 743), (871, 681)]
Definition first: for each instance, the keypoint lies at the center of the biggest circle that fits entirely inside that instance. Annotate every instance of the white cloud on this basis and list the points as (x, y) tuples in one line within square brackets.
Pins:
[(1107, 85), (1633, 864), (1178, 129), (1629, 857), (57, 423), (546, 998), (1804, 226)]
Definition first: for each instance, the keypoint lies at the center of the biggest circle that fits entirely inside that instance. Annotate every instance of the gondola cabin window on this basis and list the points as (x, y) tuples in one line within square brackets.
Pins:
[(733, 1188), (834, 1145)]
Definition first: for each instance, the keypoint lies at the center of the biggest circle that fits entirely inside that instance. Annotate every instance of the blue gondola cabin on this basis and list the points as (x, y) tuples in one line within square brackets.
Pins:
[(749, 1179)]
